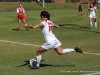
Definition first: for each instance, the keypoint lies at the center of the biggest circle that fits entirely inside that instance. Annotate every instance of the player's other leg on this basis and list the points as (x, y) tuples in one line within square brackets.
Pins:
[(24, 21), (18, 27), (81, 12), (95, 23), (61, 51), (67, 50), (90, 20)]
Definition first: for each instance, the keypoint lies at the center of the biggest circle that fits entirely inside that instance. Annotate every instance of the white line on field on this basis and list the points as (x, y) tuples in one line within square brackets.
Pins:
[(91, 53), (39, 45), (19, 43)]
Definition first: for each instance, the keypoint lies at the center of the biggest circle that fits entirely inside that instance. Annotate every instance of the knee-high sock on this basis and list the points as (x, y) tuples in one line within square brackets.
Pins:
[(38, 59), (26, 26), (91, 24), (67, 50), (95, 23)]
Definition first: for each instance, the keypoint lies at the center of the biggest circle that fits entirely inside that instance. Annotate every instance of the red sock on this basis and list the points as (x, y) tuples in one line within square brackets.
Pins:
[(26, 27)]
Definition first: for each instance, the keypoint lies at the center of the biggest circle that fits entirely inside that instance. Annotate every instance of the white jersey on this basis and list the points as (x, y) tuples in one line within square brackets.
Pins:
[(47, 31), (92, 10)]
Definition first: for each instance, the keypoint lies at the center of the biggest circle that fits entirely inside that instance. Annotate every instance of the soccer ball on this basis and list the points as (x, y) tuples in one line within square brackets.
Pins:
[(33, 63)]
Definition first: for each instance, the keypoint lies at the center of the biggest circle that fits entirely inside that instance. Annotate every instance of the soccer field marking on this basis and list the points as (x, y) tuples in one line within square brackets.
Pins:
[(96, 73), (39, 45), (91, 53), (19, 43)]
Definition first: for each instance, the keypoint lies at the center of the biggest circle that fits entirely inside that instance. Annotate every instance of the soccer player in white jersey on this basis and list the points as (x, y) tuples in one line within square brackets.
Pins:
[(92, 14), (51, 41)]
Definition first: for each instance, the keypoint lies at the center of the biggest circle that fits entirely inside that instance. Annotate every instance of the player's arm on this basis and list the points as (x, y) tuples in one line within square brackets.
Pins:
[(17, 11), (24, 12), (56, 26), (96, 12), (36, 26), (88, 12)]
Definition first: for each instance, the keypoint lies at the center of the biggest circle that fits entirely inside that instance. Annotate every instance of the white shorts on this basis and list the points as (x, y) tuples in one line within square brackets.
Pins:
[(56, 43), (93, 15)]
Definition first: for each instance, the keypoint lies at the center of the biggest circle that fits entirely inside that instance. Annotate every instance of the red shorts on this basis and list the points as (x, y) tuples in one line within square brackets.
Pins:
[(21, 17)]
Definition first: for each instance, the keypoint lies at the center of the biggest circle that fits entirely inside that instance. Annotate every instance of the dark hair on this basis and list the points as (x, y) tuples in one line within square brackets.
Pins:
[(45, 14), (93, 4)]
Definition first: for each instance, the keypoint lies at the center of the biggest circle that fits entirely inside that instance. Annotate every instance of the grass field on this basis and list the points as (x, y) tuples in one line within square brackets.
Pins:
[(18, 47)]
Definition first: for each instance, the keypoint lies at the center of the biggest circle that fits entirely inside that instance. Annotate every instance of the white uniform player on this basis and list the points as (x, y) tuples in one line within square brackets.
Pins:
[(50, 40), (93, 14)]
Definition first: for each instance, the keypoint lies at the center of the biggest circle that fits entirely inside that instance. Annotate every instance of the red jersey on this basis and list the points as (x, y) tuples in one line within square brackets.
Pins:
[(80, 7), (20, 12)]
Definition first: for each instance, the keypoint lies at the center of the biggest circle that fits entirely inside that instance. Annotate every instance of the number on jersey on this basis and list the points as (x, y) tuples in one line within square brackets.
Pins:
[(50, 26)]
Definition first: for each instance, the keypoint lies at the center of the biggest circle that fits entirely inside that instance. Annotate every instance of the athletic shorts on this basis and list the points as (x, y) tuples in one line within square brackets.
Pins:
[(93, 16), (21, 17), (56, 43)]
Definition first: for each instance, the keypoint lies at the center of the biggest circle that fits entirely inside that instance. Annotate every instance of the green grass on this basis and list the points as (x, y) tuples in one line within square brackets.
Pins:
[(74, 31)]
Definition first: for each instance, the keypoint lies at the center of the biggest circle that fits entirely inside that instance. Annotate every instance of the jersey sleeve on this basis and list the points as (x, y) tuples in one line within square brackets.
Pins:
[(17, 10), (95, 8), (43, 23), (52, 23), (23, 10)]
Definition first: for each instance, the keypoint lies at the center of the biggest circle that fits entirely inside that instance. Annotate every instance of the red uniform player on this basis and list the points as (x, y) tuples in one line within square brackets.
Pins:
[(80, 8), (21, 16)]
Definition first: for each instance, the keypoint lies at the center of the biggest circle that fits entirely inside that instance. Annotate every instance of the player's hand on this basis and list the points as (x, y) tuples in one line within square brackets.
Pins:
[(24, 14), (97, 16), (88, 16), (30, 26)]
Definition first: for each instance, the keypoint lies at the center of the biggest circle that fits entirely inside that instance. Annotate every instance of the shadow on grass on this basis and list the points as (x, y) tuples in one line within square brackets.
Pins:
[(44, 65), (15, 29), (18, 30), (68, 26), (85, 27)]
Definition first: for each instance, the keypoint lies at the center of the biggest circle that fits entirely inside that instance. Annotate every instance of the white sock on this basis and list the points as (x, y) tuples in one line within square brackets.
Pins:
[(38, 59), (25, 24), (67, 50), (91, 24), (95, 23)]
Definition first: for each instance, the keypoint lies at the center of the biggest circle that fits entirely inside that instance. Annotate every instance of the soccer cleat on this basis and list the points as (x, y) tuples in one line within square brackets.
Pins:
[(78, 50), (17, 28)]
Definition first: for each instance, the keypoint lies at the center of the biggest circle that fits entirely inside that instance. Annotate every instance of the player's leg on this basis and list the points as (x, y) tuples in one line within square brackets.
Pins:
[(18, 27), (60, 51), (81, 12), (63, 51), (90, 20), (95, 23), (39, 56), (24, 21), (67, 50), (42, 49)]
